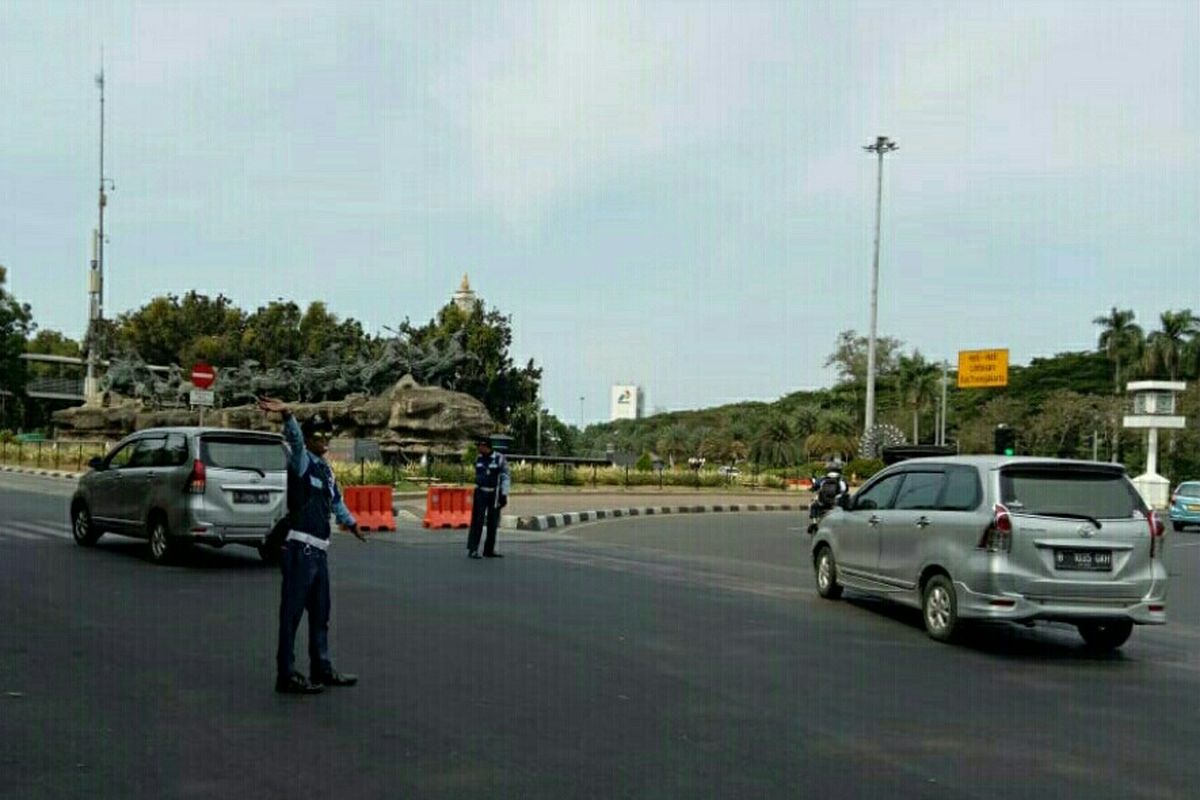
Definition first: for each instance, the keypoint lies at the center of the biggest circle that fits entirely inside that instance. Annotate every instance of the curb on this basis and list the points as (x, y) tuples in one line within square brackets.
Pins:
[(44, 473), (547, 522)]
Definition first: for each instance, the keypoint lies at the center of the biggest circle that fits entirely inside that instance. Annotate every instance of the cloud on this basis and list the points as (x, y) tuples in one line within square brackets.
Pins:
[(562, 99)]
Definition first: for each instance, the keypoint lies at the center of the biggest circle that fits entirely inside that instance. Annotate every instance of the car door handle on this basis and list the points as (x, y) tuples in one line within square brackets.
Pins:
[(873, 520), (922, 522)]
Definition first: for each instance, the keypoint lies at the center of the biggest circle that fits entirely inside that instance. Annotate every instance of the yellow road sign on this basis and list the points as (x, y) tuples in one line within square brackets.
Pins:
[(978, 369)]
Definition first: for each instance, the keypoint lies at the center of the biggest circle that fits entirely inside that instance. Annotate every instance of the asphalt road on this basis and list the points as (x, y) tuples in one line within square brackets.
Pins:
[(652, 657)]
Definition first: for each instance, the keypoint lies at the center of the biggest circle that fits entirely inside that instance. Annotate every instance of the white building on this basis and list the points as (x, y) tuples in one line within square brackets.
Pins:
[(628, 402)]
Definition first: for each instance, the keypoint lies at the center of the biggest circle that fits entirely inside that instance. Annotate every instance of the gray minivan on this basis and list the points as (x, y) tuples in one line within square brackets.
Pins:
[(1001, 538), (176, 487)]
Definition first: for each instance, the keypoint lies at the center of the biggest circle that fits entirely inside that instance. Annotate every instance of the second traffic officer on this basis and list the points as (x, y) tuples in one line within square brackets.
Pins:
[(492, 483)]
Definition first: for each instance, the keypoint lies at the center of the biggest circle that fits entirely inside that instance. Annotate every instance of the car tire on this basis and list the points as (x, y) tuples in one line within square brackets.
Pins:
[(939, 608), (83, 528), (163, 548), (826, 569), (1106, 635), (1178, 527)]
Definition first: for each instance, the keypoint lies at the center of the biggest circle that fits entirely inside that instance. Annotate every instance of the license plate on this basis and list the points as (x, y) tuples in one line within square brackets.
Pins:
[(249, 497), (1193, 506), (1083, 560)]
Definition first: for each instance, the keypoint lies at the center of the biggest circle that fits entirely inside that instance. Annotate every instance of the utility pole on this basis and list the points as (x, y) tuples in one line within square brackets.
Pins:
[(91, 386), (882, 146), (538, 400), (942, 427)]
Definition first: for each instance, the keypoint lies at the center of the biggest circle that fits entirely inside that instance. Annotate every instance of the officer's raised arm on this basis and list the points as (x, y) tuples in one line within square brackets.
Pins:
[(297, 452)]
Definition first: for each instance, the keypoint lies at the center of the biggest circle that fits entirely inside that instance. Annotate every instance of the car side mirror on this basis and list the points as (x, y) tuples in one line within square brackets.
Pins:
[(843, 502), (96, 463)]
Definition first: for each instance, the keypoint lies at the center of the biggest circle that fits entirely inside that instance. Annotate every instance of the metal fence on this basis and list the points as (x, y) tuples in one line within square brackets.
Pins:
[(55, 455)]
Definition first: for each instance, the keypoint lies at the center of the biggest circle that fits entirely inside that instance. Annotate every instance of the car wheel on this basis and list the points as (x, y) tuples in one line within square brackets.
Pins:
[(1106, 635), (939, 607), (164, 548), (83, 530), (1177, 526), (827, 583)]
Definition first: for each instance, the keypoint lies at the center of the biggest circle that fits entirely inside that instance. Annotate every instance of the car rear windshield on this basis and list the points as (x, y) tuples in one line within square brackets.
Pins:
[(240, 452), (1099, 494), (1190, 490)]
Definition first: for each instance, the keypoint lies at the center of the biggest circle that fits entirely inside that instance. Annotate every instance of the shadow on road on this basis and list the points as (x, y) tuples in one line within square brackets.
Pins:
[(1043, 642), (232, 557)]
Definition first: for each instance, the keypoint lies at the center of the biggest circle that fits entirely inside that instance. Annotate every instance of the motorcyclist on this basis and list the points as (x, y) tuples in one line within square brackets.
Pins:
[(828, 490)]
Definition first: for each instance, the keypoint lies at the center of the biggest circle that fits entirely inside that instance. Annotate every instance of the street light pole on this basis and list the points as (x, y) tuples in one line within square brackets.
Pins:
[(882, 146), (581, 413)]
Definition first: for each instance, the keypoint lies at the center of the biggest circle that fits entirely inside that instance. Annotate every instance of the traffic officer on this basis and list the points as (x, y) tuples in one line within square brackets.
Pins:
[(312, 495), (492, 483)]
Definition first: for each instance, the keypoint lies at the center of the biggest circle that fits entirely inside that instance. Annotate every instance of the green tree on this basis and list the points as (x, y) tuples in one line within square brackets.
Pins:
[(1167, 347), (272, 334), (16, 324), (174, 330), (916, 382), (674, 443), (850, 356), (51, 343), (776, 444), (490, 375), (1121, 339)]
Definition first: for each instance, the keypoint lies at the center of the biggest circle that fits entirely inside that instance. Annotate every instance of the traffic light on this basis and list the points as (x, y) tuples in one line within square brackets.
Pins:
[(1005, 441)]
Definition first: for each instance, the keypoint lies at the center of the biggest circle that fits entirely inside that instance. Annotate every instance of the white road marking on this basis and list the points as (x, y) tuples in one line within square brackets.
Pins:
[(58, 531), (1187, 544), (18, 535)]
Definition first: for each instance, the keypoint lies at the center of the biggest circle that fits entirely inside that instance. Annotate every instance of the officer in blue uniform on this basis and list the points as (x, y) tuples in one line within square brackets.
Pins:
[(492, 483), (312, 496)]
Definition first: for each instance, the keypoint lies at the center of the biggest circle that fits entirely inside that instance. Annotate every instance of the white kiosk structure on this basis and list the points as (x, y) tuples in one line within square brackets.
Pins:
[(1154, 408)]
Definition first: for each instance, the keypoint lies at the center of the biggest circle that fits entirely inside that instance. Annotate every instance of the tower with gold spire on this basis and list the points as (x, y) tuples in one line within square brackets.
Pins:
[(465, 297)]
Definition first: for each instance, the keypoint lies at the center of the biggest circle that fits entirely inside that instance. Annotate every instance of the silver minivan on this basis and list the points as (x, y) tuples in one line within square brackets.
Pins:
[(1000, 538), (176, 487)]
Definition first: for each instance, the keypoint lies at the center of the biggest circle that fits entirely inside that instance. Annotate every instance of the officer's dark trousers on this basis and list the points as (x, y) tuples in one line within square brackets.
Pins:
[(483, 511), (305, 588)]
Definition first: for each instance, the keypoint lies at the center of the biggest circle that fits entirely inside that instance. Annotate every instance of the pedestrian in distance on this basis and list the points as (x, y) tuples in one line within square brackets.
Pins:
[(312, 496), (492, 483)]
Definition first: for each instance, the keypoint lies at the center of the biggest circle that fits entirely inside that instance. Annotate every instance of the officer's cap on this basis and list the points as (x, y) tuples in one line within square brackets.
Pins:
[(316, 424)]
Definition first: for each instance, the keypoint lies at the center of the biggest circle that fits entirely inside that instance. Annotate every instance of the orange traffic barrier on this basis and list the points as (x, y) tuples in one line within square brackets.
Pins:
[(447, 507), (371, 506)]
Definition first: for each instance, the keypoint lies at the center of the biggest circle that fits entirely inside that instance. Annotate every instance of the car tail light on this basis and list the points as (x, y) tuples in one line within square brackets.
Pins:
[(197, 481), (997, 537), (1157, 529)]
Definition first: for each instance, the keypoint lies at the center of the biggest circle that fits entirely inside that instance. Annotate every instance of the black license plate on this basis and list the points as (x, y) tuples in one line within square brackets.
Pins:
[(249, 497), (1083, 560)]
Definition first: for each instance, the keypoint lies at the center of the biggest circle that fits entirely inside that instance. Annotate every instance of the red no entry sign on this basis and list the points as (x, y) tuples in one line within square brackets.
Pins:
[(203, 375)]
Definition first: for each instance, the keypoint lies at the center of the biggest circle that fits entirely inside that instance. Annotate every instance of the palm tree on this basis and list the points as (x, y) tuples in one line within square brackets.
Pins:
[(775, 444), (1167, 348), (674, 443), (917, 384), (1120, 338)]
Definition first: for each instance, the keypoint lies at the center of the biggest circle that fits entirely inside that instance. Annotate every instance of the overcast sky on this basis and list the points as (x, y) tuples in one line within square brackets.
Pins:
[(671, 194)]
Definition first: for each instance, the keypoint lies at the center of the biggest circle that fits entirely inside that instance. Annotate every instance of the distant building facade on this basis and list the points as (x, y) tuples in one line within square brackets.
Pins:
[(628, 402)]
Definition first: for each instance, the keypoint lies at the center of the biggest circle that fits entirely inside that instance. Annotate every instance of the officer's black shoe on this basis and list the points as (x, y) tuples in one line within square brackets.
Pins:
[(474, 554), (297, 684), (335, 678), (492, 555)]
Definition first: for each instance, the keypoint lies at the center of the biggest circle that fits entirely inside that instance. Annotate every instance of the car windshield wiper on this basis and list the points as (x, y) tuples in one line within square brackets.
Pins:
[(1067, 515)]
